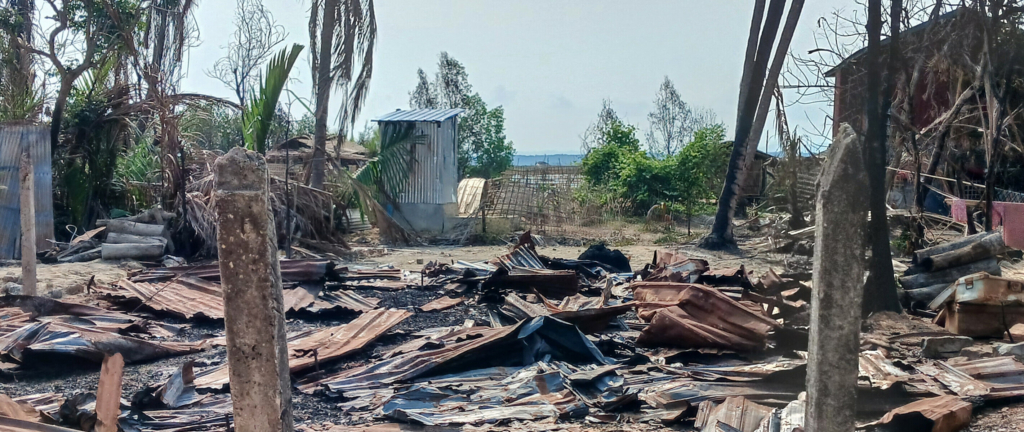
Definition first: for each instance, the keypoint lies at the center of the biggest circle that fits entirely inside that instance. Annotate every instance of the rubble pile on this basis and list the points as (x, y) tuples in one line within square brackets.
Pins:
[(530, 340)]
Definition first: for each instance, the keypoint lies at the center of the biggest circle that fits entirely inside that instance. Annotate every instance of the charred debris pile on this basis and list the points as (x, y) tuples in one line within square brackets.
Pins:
[(528, 339)]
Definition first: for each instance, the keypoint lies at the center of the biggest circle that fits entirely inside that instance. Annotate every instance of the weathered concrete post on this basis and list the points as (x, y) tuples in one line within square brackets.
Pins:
[(253, 303), (841, 217), (28, 226)]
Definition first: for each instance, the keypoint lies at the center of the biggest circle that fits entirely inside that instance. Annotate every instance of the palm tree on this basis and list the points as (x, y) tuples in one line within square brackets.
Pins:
[(258, 114), (342, 34), (758, 85)]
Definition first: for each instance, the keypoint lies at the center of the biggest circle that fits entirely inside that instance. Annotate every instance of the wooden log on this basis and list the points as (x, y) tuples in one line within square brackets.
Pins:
[(986, 247), (28, 226), (946, 247), (128, 227), (122, 238), (90, 255), (919, 298), (947, 276), (132, 251)]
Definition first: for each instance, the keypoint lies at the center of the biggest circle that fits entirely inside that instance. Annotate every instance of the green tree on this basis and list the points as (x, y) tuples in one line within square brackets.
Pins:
[(484, 151), (687, 181), (618, 143)]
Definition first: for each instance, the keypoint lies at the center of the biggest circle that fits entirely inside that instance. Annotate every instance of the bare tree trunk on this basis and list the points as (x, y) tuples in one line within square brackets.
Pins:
[(323, 94), (721, 232), (770, 85), (57, 117), (880, 288), (748, 59)]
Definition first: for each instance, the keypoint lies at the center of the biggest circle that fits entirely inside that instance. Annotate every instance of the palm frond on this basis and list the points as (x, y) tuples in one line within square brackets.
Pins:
[(258, 116), (386, 176)]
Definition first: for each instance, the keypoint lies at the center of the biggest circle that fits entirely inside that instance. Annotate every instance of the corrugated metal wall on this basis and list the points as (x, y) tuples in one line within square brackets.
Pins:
[(36, 138), (435, 174)]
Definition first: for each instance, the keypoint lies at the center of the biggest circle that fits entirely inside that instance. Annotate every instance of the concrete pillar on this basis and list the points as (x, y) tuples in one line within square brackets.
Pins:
[(253, 303), (28, 226), (839, 267)]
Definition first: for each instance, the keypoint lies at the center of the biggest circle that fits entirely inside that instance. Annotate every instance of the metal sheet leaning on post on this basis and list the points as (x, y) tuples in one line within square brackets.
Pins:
[(253, 301), (838, 286)]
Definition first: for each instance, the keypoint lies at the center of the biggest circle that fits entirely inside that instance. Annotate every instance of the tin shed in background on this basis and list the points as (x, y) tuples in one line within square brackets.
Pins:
[(14, 137), (429, 201)]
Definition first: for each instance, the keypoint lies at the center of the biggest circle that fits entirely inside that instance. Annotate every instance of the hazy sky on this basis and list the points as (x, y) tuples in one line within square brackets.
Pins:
[(548, 62)]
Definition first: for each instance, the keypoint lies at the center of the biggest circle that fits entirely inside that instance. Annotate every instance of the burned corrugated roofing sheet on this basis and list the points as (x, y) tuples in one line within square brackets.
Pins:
[(187, 296), (336, 342), (291, 271)]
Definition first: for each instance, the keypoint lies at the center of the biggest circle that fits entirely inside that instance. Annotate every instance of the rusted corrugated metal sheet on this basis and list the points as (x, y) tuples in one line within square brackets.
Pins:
[(737, 412), (12, 319), (308, 348), (493, 347), (441, 304), (291, 271), (956, 381), (13, 139), (343, 299), (946, 413), (60, 338), (880, 372), (336, 342), (186, 296), (1003, 375), (522, 256), (705, 317)]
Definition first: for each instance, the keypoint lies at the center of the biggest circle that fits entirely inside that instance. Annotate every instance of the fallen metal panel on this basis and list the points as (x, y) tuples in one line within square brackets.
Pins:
[(44, 306), (737, 412), (343, 299), (956, 381), (441, 304), (312, 270), (312, 299), (299, 298), (707, 318), (493, 347), (66, 339), (336, 342), (879, 370), (12, 319), (521, 257), (946, 413), (688, 392), (187, 296)]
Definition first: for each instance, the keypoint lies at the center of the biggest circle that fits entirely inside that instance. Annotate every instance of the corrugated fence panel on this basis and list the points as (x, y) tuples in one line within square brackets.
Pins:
[(14, 137), (434, 176)]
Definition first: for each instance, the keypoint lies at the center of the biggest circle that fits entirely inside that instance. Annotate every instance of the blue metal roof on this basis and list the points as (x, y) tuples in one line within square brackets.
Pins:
[(420, 115)]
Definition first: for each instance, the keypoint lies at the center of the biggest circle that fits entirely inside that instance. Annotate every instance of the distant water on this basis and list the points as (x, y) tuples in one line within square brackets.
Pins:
[(556, 159)]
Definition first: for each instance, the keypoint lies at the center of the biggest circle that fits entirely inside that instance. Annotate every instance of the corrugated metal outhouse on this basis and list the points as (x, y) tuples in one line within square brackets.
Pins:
[(429, 200)]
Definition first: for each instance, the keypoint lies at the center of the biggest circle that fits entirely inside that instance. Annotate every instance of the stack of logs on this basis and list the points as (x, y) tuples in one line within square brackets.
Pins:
[(938, 266), (141, 237)]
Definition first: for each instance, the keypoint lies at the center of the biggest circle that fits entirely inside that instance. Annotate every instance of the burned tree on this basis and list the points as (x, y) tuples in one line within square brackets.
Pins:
[(757, 87), (256, 34)]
